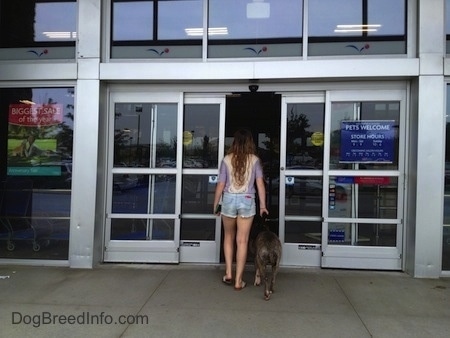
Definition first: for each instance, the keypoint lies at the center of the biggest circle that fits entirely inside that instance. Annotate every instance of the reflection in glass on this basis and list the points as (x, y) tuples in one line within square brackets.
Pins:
[(305, 139), (145, 135), (388, 17), (303, 232), (325, 15), (447, 159), (51, 202), (354, 111), (350, 18), (303, 196), (446, 248), (135, 20), (173, 26), (132, 21), (197, 194), (201, 135), (377, 235), (28, 23), (446, 230), (143, 194), (198, 229), (142, 229), (56, 21), (447, 19), (363, 197), (362, 234), (233, 16), (378, 201), (357, 27)]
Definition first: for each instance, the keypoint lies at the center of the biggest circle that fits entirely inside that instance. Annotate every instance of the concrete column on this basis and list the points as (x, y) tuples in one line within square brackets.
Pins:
[(86, 131), (430, 140)]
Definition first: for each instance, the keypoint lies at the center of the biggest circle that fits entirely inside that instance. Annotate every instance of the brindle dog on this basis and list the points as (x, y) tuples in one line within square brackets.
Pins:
[(267, 253)]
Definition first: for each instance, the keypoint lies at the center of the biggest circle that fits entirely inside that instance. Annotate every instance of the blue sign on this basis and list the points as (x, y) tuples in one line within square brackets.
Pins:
[(367, 141)]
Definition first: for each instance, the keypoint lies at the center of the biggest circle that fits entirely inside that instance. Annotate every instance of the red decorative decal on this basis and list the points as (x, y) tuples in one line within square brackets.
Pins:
[(372, 180)]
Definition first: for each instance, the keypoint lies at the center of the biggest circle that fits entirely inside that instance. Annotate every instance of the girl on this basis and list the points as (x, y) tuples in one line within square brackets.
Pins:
[(240, 176)]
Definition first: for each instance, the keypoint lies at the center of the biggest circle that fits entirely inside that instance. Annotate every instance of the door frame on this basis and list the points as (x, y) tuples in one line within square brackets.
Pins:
[(294, 254)]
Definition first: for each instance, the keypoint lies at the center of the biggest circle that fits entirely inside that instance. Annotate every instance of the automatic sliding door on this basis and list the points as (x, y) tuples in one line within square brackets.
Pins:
[(143, 190), (363, 181), (301, 179), (202, 146)]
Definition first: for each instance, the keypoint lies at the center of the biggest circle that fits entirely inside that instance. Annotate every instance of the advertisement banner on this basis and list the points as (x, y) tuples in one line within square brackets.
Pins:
[(32, 144), (35, 115), (367, 141)]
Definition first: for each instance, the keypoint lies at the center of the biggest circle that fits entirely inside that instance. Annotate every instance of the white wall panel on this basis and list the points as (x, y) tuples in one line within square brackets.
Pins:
[(37, 71), (261, 70)]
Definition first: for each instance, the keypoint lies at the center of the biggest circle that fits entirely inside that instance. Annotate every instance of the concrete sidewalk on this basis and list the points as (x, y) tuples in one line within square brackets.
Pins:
[(191, 301)]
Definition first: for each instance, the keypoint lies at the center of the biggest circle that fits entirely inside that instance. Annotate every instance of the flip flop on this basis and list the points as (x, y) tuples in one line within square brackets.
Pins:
[(226, 280), (239, 288)]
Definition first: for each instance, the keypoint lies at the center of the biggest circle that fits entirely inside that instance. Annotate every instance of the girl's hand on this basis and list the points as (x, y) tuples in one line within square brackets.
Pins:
[(263, 211), (217, 209)]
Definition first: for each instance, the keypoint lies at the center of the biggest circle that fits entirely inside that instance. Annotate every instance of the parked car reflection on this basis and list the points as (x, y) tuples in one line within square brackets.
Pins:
[(309, 187), (124, 182)]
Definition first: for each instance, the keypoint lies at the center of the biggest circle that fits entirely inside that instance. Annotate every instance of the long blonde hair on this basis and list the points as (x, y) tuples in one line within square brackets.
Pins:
[(241, 150)]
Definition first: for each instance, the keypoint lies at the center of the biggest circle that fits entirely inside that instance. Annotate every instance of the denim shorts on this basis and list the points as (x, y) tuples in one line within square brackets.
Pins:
[(238, 204)]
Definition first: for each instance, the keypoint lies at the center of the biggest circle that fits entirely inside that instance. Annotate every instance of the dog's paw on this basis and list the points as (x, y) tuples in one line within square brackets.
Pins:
[(257, 281)]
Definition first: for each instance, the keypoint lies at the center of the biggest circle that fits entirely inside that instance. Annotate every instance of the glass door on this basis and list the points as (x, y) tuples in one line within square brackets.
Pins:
[(203, 137), (363, 180), (144, 175), (301, 171)]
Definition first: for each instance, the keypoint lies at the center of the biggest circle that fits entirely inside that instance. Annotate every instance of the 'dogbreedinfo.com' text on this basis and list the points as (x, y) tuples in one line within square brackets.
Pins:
[(82, 318)]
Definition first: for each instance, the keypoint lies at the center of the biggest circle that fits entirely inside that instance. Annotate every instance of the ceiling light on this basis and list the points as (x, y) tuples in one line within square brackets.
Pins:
[(258, 9), (60, 35), (356, 28), (26, 102), (211, 31)]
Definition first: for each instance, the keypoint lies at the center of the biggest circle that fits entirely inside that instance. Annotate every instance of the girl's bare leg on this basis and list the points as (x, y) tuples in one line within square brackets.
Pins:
[(229, 230), (243, 232)]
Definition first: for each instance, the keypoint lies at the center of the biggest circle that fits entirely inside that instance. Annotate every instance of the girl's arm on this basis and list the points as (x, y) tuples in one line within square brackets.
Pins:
[(261, 187)]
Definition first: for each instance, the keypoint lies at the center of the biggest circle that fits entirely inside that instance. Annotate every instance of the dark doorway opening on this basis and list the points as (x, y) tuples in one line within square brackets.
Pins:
[(259, 112)]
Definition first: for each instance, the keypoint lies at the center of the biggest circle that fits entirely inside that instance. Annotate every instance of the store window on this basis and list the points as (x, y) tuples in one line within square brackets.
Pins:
[(36, 137), (356, 27), (157, 30), (244, 28), (38, 29), (446, 230), (447, 25), (256, 28)]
